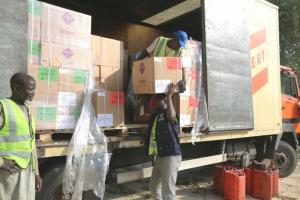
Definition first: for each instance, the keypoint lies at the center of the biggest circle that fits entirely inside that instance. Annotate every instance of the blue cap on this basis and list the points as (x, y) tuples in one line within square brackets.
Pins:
[(182, 38)]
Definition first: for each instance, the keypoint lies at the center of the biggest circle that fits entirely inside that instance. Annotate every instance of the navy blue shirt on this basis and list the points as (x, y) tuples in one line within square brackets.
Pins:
[(166, 134)]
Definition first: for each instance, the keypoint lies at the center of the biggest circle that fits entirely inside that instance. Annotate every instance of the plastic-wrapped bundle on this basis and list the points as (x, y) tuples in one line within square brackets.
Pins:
[(88, 160), (194, 52)]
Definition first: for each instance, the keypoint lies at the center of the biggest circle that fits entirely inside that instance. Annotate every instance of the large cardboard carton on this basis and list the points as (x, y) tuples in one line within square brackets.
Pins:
[(34, 51), (111, 78), (44, 104), (34, 19), (192, 77), (68, 109), (106, 52), (62, 26), (46, 83), (187, 109), (65, 56), (72, 80), (153, 75), (44, 115), (109, 108)]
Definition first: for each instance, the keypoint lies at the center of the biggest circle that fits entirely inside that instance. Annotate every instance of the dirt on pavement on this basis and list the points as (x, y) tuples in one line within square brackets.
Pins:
[(197, 184)]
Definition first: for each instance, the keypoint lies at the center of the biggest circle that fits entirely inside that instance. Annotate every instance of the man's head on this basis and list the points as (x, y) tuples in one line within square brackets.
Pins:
[(179, 40), (22, 87), (161, 101)]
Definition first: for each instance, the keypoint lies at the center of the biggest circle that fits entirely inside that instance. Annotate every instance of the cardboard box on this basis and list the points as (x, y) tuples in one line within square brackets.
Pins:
[(34, 19), (68, 109), (194, 51), (106, 52), (72, 80), (96, 71), (111, 78), (64, 26), (192, 77), (45, 116), (65, 56), (46, 83), (109, 108), (153, 75), (187, 110), (34, 51)]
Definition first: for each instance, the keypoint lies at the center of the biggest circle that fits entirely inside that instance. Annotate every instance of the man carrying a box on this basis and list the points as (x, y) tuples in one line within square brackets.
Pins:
[(160, 47), (162, 142), (165, 47), (19, 175)]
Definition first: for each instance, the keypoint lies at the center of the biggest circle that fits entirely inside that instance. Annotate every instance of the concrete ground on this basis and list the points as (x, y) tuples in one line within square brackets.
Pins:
[(196, 184)]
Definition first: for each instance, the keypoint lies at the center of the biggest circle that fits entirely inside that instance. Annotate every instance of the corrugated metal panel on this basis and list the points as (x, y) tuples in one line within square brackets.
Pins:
[(227, 62)]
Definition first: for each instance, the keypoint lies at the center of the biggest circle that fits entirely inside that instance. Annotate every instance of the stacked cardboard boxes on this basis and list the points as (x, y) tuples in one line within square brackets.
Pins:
[(59, 58), (153, 75), (107, 55)]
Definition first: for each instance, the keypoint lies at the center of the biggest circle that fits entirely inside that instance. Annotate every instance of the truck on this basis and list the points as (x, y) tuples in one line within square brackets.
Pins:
[(242, 83)]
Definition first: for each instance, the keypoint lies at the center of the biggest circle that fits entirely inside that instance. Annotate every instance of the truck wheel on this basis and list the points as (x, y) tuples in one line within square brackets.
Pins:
[(52, 184), (285, 159)]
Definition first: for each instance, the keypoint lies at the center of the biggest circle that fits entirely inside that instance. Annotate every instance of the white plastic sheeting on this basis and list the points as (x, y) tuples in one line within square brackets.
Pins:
[(194, 52), (88, 159)]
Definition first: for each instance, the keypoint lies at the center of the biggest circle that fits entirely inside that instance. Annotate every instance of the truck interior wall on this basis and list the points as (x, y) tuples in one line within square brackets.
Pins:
[(135, 37), (13, 41)]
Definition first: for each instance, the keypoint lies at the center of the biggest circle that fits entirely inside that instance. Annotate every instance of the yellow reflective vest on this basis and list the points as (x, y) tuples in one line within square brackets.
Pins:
[(160, 49), (17, 136)]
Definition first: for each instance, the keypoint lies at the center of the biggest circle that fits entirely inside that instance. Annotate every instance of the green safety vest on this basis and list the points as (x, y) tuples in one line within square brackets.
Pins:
[(160, 49), (152, 143), (17, 137)]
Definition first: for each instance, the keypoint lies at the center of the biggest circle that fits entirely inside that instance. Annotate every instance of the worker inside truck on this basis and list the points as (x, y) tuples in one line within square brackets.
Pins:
[(141, 106)]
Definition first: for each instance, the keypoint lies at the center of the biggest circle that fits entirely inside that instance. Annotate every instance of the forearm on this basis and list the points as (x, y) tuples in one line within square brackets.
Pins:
[(171, 113), (36, 162), (141, 55)]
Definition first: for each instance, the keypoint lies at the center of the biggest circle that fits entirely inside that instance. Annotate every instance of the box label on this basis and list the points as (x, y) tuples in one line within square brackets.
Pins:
[(47, 73), (80, 77), (161, 86), (67, 99), (116, 98), (173, 63), (185, 119), (65, 122), (193, 73), (46, 114), (105, 120), (34, 48)]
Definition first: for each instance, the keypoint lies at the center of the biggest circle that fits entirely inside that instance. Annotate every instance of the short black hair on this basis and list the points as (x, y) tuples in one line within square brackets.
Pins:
[(160, 96), (20, 79)]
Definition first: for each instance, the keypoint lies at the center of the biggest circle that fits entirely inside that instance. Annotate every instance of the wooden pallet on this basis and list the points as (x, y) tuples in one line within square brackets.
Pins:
[(66, 134), (186, 129)]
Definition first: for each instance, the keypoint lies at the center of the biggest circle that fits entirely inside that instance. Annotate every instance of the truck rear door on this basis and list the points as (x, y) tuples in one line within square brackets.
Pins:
[(226, 59)]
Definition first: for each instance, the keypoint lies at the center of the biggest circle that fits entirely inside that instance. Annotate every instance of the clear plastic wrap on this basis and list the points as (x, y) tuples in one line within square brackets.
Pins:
[(194, 51), (88, 159)]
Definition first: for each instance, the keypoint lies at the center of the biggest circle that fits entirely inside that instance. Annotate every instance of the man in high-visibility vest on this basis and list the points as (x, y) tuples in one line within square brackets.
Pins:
[(160, 47), (165, 47), (162, 142), (19, 174)]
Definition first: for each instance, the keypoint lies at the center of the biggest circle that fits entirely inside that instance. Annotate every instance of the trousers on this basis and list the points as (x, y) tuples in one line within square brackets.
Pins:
[(163, 179)]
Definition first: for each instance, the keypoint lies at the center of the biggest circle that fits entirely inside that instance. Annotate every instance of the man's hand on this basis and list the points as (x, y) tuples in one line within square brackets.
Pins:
[(171, 90), (11, 166), (38, 183), (181, 86)]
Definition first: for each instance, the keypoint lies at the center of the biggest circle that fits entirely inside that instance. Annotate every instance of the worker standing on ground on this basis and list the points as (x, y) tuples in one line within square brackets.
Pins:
[(163, 144), (19, 174)]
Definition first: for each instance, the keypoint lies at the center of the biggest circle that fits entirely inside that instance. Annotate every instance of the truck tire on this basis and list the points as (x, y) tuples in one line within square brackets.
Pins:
[(52, 184), (285, 159)]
